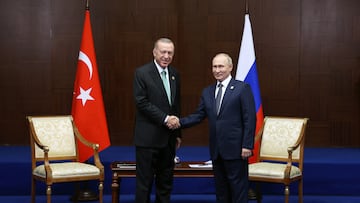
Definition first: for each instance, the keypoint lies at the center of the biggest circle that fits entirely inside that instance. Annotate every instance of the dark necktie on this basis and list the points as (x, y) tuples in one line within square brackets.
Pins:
[(218, 98)]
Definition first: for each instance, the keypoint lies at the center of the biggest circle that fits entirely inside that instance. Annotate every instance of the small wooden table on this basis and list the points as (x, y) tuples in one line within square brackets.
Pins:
[(127, 170)]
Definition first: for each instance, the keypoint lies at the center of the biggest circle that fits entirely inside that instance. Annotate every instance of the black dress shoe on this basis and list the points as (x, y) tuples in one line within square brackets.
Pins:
[(252, 194)]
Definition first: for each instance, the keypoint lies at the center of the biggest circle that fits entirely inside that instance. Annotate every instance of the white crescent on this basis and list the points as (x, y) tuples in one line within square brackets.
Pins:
[(83, 57)]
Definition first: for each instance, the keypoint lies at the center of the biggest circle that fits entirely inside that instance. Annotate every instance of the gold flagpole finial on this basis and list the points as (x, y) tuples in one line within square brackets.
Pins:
[(247, 6), (87, 5)]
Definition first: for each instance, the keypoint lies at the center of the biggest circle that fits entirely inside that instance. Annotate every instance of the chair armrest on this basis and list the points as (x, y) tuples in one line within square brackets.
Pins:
[(47, 164), (259, 134), (289, 160), (83, 140), (290, 151), (94, 146), (97, 159), (46, 160), (297, 144)]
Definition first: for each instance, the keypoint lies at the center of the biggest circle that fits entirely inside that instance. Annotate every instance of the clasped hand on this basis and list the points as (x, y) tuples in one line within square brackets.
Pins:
[(173, 122)]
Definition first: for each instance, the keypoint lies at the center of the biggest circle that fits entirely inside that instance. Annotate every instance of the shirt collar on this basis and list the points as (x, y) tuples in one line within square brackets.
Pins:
[(225, 82), (160, 69)]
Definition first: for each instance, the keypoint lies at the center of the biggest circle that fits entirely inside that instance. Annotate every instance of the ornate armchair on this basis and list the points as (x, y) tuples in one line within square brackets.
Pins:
[(281, 153), (54, 154)]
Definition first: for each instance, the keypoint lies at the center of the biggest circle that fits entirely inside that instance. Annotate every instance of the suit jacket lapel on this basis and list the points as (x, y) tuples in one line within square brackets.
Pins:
[(212, 97), (157, 80)]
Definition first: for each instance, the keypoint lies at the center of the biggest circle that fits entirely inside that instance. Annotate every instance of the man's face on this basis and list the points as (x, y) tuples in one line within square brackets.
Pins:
[(221, 68), (163, 53)]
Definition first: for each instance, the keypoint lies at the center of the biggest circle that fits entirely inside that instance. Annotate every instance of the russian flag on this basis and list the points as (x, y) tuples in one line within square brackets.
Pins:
[(246, 71)]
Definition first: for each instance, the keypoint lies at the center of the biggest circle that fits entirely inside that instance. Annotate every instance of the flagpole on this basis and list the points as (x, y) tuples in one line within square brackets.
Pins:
[(246, 6), (85, 193), (252, 194)]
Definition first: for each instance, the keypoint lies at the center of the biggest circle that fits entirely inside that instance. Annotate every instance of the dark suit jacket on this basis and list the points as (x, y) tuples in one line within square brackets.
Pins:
[(234, 127), (152, 106)]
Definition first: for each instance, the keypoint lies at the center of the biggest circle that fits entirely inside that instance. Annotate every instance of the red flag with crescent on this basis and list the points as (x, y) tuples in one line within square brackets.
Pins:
[(88, 108)]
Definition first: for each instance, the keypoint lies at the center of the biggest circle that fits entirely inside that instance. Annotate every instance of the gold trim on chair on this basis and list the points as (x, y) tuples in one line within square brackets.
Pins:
[(54, 154), (281, 153)]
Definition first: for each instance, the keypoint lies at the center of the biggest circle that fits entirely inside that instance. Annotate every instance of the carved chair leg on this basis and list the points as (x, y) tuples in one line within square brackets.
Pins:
[(300, 191), (101, 190), (287, 193), (48, 194)]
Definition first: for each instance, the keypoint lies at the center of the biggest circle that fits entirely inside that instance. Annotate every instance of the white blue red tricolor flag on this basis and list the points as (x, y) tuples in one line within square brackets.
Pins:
[(246, 71)]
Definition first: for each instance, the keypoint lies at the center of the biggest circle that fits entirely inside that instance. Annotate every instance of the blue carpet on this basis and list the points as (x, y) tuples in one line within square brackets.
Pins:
[(330, 175), (188, 199)]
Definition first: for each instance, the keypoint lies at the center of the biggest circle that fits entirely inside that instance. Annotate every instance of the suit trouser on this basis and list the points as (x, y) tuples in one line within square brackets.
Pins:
[(231, 180), (158, 164)]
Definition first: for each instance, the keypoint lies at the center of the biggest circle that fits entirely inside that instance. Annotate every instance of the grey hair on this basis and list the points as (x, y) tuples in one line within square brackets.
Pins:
[(227, 56), (164, 40)]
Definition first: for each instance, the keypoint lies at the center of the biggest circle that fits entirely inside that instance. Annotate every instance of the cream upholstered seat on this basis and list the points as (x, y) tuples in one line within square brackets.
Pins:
[(53, 141), (281, 153)]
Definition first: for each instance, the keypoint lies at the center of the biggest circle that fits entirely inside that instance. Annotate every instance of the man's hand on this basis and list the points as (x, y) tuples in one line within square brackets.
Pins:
[(246, 153), (173, 122)]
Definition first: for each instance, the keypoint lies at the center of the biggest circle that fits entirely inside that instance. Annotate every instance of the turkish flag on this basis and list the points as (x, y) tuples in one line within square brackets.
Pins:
[(87, 105)]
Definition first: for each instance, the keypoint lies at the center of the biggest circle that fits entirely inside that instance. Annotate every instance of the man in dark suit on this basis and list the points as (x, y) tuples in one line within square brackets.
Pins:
[(155, 143), (231, 129)]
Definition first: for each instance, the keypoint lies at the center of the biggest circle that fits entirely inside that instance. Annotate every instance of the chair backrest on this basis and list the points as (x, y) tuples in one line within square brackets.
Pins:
[(280, 133), (55, 132)]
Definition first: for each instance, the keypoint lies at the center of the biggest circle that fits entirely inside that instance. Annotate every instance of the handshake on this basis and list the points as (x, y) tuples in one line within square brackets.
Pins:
[(173, 122)]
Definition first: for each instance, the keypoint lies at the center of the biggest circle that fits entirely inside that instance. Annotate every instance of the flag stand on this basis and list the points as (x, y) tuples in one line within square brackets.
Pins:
[(84, 194)]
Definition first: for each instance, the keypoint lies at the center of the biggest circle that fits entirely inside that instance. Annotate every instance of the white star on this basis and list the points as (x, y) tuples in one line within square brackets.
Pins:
[(85, 95)]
